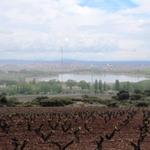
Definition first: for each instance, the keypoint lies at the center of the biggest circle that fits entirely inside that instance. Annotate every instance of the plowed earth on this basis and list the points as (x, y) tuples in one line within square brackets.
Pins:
[(74, 129)]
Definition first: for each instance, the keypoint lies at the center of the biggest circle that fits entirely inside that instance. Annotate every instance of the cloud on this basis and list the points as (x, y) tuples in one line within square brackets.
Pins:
[(38, 29), (109, 5)]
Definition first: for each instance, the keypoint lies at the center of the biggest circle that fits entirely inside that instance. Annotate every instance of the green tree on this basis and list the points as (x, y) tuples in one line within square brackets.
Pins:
[(96, 86), (84, 85), (127, 86), (70, 83), (100, 86), (117, 85), (104, 86)]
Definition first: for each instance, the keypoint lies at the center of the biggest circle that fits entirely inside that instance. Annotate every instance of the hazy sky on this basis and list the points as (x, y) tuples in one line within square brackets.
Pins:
[(86, 29)]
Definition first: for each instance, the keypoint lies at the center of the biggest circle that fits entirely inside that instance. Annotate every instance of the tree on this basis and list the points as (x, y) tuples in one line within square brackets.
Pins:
[(100, 86), (83, 84), (128, 86), (104, 86), (117, 85), (96, 86), (70, 83)]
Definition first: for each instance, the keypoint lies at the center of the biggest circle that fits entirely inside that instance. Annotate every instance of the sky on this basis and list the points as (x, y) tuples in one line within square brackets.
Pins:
[(97, 30)]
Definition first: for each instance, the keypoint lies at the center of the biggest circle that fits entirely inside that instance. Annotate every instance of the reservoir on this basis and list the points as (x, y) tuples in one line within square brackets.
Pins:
[(108, 78)]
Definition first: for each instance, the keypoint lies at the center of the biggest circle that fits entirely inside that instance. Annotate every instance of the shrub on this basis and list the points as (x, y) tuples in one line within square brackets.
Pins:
[(114, 97), (40, 98), (137, 91), (28, 104), (147, 92), (142, 104), (12, 102), (112, 104), (85, 96), (91, 99), (3, 99), (123, 95), (136, 96), (52, 102)]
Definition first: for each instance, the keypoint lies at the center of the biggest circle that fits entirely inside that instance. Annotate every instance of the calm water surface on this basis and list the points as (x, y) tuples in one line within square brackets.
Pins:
[(109, 78)]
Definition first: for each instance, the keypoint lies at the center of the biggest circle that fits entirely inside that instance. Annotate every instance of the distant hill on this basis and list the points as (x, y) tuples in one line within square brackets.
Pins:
[(68, 61)]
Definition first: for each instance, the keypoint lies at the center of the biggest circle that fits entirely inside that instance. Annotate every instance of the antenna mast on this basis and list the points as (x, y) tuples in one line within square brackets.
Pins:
[(62, 62)]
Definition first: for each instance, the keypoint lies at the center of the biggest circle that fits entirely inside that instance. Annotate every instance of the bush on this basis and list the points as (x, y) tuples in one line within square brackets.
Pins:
[(142, 104), (52, 102), (85, 96), (147, 92), (123, 95), (40, 98), (136, 96), (114, 97), (12, 102), (3, 99), (28, 104), (137, 91), (91, 99), (112, 104)]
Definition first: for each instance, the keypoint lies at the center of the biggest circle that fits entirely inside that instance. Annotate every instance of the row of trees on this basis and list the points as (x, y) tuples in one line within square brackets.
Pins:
[(131, 87), (55, 87)]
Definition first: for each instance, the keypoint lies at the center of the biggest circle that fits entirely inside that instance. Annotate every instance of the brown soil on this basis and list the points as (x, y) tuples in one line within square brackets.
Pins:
[(80, 128)]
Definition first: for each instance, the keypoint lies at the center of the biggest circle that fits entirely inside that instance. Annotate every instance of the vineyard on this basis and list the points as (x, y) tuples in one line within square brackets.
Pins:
[(74, 129)]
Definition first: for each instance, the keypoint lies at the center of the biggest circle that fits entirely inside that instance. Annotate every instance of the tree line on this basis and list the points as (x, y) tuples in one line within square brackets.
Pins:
[(70, 86)]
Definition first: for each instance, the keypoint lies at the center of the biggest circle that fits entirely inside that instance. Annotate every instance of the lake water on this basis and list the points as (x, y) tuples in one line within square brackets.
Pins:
[(108, 78)]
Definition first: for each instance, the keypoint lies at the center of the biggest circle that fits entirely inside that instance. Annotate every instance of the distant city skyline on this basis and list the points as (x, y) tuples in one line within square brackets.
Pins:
[(88, 30)]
